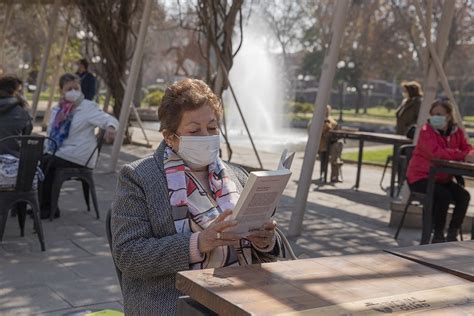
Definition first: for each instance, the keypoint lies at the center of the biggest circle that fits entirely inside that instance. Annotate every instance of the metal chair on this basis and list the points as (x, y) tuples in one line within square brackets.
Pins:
[(31, 151), (83, 174), (108, 229), (406, 151)]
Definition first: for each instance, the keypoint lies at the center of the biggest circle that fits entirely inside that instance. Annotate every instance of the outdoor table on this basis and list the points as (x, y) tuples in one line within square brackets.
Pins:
[(456, 258), (391, 139), (376, 283), (455, 168)]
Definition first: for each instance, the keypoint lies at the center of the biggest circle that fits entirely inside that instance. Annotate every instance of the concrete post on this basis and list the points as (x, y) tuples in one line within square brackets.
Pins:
[(314, 138), (131, 85), (44, 62)]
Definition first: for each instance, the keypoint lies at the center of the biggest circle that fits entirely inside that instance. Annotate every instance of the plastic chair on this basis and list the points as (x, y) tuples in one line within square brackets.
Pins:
[(31, 151), (108, 229), (83, 174)]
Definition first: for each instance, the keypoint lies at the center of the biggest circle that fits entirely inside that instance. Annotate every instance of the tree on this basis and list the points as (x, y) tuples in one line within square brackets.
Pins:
[(114, 24), (214, 22)]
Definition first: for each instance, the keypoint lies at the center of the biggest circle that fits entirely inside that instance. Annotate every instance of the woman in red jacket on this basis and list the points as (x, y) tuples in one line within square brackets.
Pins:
[(440, 138)]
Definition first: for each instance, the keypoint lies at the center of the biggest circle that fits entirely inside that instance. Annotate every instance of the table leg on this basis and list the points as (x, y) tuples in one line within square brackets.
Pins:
[(326, 162), (396, 155), (359, 163), (428, 208)]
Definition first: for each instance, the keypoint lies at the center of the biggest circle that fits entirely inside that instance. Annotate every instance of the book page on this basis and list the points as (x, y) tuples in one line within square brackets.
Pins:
[(259, 199)]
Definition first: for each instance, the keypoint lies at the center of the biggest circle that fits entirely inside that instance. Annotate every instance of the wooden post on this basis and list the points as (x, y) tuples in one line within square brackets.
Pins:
[(131, 85), (57, 72), (314, 137), (439, 68), (430, 85), (108, 96), (44, 62)]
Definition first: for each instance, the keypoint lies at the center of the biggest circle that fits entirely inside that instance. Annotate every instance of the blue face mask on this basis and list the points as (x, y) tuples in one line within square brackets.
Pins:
[(438, 121)]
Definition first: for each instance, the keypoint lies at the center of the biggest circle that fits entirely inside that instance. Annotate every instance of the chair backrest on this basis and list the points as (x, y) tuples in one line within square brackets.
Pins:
[(31, 151), (98, 147), (108, 229), (407, 151)]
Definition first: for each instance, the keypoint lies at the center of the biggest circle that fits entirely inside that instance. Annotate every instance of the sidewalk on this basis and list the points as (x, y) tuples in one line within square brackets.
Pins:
[(76, 272)]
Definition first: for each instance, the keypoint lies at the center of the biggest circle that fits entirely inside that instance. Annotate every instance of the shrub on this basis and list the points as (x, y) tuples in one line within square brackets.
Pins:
[(153, 99), (390, 104), (300, 107)]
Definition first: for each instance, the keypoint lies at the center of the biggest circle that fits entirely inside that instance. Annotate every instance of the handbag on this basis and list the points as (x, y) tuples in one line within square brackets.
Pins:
[(281, 252)]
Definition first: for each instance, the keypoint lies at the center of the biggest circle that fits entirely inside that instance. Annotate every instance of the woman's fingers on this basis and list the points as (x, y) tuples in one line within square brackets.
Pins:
[(222, 216), (270, 225)]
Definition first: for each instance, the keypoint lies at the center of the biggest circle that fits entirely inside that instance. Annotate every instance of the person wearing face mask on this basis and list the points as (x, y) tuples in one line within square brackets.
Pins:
[(407, 112), (72, 125), (441, 138), (14, 118), (171, 210)]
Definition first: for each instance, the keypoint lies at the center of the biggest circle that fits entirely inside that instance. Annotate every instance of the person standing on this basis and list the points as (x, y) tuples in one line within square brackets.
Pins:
[(333, 156), (407, 112), (88, 81)]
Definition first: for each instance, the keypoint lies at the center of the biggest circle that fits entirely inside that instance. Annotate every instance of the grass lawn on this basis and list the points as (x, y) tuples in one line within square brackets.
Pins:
[(375, 156)]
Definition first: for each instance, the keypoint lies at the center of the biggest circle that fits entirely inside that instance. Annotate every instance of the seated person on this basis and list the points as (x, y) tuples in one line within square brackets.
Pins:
[(440, 138), (72, 126), (14, 118), (335, 147), (170, 209)]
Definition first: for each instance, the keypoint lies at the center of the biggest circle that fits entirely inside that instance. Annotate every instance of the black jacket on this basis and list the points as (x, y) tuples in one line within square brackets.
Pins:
[(88, 85), (14, 120)]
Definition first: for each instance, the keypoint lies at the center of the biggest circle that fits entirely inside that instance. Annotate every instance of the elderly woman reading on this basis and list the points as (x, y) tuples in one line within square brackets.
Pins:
[(171, 211)]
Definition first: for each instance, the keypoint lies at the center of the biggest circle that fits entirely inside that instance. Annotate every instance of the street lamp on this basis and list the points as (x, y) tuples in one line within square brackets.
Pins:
[(23, 67), (368, 88), (341, 65)]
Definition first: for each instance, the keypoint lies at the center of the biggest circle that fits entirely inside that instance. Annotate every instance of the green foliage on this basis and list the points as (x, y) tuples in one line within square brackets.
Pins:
[(300, 107), (389, 104), (375, 156), (154, 98)]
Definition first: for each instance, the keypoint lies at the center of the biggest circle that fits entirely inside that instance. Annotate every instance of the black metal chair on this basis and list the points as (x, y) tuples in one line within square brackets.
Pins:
[(31, 151), (405, 153), (108, 229), (83, 174)]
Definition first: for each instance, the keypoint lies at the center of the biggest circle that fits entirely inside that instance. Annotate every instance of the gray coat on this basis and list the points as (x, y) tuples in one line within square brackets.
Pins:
[(145, 244)]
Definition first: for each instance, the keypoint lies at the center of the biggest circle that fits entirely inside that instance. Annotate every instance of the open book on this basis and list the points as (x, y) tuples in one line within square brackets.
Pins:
[(261, 195)]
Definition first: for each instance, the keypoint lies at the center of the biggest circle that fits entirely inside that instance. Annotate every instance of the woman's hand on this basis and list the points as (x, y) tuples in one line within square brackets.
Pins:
[(213, 236), (109, 135), (263, 237)]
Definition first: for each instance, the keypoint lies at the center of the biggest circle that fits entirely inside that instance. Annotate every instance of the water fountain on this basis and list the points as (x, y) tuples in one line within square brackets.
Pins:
[(256, 77)]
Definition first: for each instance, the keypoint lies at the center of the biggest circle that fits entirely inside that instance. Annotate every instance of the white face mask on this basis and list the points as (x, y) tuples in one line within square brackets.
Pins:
[(72, 95), (199, 151)]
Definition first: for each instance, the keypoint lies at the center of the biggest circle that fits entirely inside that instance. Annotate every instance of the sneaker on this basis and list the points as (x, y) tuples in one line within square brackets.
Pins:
[(45, 214), (452, 235), (438, 238)]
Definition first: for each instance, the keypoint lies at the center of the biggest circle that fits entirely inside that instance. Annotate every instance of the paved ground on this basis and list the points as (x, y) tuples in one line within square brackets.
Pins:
[(76, 272)]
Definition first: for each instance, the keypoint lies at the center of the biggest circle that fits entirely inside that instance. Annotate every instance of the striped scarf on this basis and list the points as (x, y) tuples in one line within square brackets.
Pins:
[(185, 191)]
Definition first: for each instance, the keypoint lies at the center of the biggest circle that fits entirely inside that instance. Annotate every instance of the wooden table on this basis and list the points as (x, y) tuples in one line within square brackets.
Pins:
[(358, 284), (391, 139), (456, 258), (455, 168)]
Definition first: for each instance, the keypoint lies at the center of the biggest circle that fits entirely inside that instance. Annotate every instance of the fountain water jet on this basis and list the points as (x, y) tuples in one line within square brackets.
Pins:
[(257, 79)]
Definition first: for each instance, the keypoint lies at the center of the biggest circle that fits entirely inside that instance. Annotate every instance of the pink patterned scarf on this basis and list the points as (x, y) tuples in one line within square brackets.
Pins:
[(202, 209)]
